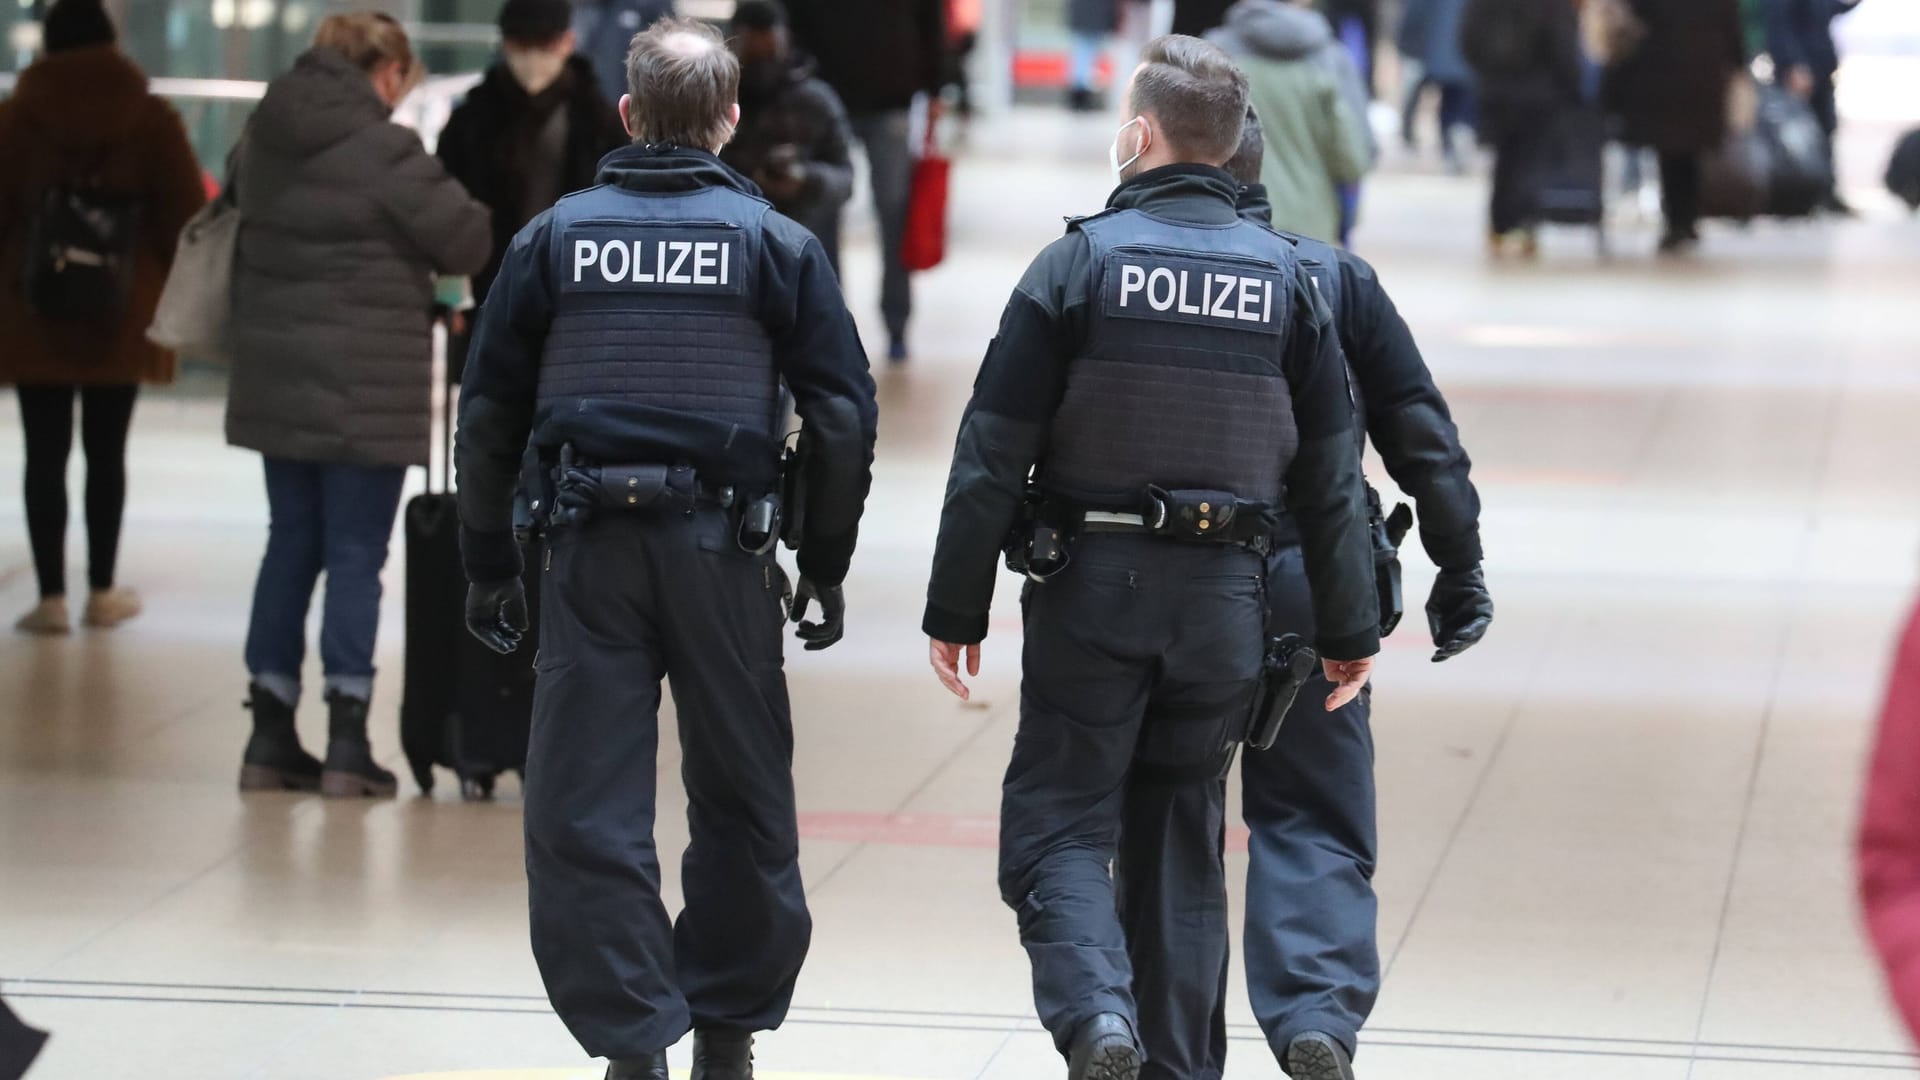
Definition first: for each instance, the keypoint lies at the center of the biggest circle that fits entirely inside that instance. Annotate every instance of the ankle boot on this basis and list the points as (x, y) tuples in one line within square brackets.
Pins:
[(722, 1055), (653, 1067), (274, 760), (351, 771)]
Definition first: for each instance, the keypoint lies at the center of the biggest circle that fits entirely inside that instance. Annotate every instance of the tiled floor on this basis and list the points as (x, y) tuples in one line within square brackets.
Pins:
[(1615, 835)]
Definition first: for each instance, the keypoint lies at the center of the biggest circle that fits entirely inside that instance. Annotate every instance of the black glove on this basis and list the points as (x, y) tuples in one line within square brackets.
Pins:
[(1459, 610), (833, 614), (497, 613)]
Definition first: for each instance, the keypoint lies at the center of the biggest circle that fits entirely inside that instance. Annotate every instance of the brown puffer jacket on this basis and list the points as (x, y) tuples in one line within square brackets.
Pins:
[(75, 112)]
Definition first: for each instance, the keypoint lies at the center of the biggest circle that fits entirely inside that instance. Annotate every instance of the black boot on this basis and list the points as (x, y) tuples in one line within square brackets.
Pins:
[(722, 1055), (1317, 1056), (646, 1068), (274, 760), (1103, 1049), (351, 771)]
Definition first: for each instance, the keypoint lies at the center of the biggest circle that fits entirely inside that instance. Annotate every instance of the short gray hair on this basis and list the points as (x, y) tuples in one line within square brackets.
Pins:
[(683, 80)]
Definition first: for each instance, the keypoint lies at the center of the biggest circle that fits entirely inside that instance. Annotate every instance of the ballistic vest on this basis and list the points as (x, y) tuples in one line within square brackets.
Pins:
[(656, 316), (1180, 384)]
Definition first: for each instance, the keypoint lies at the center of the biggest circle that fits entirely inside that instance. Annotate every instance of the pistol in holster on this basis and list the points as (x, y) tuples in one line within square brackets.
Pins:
[(1286, 669), (1033, 547), (1386, 531)]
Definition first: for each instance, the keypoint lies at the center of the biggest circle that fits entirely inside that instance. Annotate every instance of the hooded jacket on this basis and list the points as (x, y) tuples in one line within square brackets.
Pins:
[(80, 110), (345, 220), (1312, 109)]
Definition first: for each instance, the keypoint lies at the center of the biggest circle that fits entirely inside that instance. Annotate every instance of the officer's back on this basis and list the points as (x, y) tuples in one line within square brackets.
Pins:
[(635, 343)]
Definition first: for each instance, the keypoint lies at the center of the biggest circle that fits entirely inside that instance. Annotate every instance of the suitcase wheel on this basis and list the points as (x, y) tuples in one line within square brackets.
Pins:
[(476, 788)]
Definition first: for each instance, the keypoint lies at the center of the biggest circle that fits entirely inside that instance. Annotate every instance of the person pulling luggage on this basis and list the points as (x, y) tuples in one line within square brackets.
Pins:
[(637, 337), (1162, 375)]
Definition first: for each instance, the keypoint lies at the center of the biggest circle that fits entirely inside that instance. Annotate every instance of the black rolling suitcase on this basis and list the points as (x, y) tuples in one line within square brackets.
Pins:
[(464, 707), (1573, 172)]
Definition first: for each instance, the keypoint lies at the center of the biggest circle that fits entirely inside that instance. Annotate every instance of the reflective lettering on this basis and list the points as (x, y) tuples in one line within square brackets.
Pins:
[(674, 275), (705, 260), (1249, 296), (1132, 280), (1160, 274), (1218, 307), (606, 261), (726, 251), (1184, 307), (585, 254), (639, 256)]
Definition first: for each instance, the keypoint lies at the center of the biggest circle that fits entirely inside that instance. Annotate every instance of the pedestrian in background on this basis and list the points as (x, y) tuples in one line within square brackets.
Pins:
[(1312, 108), (347, 220), (878, 55), (605, 30), (1670, 95), (534, 129), (1527, 56), (82, 115), (1805, 60), (1090, 23), (1430, 40), (794, 139)]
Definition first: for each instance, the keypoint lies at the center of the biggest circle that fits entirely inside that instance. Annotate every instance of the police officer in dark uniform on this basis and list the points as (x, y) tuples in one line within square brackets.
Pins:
[(1163, 376), (1312, 954), (636, 340)]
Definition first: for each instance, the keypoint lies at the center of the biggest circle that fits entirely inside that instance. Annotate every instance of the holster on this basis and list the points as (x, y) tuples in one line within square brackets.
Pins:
[(1217, 517), (1386, 532), (793, 492), (1285, 670)]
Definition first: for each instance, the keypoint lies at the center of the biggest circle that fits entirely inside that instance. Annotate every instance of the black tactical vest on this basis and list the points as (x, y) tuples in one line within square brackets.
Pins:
[(1181, 384), (656, 311)]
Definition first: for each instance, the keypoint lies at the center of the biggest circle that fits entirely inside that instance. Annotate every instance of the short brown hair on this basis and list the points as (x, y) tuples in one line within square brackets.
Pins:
[(1196, 92), (368, 39), (1244, 166), (683, 80)]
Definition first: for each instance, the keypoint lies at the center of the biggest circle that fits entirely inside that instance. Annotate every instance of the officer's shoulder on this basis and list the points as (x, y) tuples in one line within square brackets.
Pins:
[(1077, 222), (782, 233), (536, 230)]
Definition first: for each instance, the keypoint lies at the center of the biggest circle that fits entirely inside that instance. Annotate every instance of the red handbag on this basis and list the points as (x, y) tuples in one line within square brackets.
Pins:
[(925, 243)]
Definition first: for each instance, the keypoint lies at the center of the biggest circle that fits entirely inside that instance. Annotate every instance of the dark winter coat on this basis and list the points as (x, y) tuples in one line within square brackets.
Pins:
[(346, 218), (877, 54), (89, 109), (1430, 33), (490, 141), (1196, 17), (1547, 32), (604, 32), (1670, 93), (803, 112)]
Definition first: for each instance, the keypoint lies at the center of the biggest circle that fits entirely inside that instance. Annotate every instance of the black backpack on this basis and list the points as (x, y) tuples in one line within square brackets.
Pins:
[(80, 252)]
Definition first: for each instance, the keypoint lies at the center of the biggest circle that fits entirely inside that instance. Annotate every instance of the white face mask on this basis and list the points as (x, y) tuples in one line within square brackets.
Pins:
[(1113, 150), (535, 69)]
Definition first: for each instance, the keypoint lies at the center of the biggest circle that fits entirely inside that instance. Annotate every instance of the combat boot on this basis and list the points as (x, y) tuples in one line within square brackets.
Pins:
[(1318, 1056), (351, 771), (722, 1055), (1103, 1049), (274, 759), (646, 1068)]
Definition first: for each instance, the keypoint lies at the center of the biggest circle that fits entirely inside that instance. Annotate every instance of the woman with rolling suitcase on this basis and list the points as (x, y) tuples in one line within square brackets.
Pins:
[(346, 218)]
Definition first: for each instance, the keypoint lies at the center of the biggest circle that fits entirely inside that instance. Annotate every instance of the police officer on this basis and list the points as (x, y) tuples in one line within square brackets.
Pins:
[(1170, 372), (1312, 954), (639, 333)]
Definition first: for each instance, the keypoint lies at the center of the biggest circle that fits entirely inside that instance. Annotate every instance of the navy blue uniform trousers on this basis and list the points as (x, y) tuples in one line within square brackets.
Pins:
[(627, 600), (1140, 659), (1311, 940)]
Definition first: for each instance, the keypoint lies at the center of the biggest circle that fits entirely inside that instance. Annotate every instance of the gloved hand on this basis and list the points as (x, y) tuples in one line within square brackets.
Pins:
[(497, 613), (1459, 610), (833, 613)]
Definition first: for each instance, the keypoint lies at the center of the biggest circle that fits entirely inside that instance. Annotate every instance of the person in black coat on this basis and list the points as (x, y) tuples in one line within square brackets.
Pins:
[(534, 129), (1670, 94), (794, 139), (878, 55), (1805, 59), (1526, 54)]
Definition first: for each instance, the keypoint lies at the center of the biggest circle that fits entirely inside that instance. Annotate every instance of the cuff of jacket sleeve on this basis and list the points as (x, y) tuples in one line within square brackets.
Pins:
[(1461, 552), (489, 556), (952, 627), (1349, 646), (825, 562)]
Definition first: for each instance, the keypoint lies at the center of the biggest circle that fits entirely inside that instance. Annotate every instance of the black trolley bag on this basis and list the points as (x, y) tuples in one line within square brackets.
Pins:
[(464, 707), (1573, 168)]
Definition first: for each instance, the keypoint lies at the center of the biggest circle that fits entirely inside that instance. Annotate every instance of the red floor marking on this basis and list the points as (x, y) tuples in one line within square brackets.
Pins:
[(971, 831)]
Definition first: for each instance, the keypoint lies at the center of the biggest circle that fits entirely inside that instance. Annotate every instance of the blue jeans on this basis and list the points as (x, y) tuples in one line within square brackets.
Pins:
[(336, 518)]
